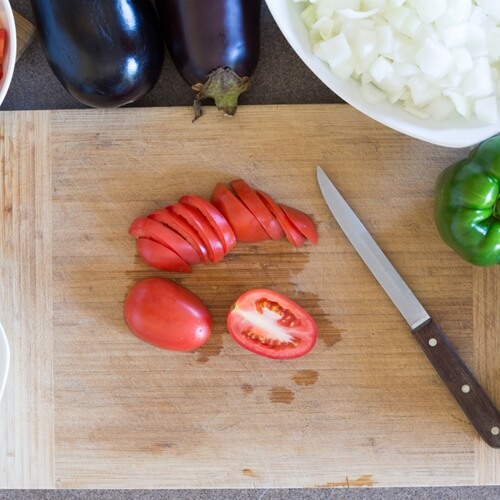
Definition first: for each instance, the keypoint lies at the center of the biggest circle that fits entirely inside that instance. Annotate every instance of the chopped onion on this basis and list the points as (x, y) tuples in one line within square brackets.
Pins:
[(439, 59)]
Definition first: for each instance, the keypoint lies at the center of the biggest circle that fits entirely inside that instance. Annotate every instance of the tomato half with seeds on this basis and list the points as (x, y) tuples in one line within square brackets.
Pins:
[(167, 315), (267, 323)]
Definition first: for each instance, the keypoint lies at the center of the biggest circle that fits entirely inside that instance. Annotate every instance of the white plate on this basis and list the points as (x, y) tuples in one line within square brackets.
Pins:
[(7, 21), (4, 360), (451, 133)]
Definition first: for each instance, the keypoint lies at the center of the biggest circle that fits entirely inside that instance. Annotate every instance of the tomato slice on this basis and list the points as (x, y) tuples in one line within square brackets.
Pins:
[(292, 234), (161, 257), (252, 201), (214, 217), (244, 224), (178, 224), (167, 315), (302, 222), (144, 227), (3, 38), (197, 220), (267, 323)]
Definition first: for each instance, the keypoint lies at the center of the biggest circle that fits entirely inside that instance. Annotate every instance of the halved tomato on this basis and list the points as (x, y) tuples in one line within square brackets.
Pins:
[(252, 201), (267, 323), (161, 257), (178, 224), (292, 234), (302, 222), (144, 227), (214, 217), (197, 220), (244, 224)]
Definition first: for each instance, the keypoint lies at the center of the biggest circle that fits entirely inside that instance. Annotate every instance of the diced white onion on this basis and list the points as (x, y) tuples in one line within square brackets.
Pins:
[(434, 59), (356, 14), (430, 10), (486, 109), (381, 69), (439, 59), (490, 7), (372, 94)]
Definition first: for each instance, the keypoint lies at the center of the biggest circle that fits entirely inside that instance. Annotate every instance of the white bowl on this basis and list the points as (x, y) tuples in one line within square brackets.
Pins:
[(4, 360), (7, 22), (455, 133)]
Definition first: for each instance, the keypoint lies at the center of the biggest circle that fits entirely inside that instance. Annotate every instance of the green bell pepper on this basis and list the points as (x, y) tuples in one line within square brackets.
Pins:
[(467, 204)]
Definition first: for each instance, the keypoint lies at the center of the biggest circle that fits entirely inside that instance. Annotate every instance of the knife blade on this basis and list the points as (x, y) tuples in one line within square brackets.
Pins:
[(469, 394)]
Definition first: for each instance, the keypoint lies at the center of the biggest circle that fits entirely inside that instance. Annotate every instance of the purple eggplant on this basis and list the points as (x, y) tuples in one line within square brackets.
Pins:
[(215, 46), (105, 53)]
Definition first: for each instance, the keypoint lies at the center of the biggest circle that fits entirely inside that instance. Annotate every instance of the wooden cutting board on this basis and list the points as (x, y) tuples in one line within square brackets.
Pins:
[(89, 405), (26, 33)]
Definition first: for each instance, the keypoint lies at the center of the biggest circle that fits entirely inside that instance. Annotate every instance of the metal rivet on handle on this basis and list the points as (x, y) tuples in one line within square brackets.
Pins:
[(465, 388), (495, 431), (433, 342)]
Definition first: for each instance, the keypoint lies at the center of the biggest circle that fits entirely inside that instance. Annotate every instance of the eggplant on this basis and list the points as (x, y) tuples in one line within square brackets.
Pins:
[(105, 53), (215, 46)]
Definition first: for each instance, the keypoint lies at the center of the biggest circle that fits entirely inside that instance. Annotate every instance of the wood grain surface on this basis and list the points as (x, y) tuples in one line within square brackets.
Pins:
[(26, 33), (89, 405)]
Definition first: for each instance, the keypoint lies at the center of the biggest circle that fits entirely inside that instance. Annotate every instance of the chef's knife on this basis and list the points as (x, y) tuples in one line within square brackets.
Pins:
[(460, 381)]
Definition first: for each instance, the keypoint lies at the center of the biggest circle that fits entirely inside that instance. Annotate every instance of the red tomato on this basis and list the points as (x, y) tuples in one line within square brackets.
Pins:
[(143, 227), (214, 217), (3, 37), (292, 234), (161, 257), (271, 325), (252, 201), (167, 315), (178, 224), (205, 231), (245, 226), (302, 222)]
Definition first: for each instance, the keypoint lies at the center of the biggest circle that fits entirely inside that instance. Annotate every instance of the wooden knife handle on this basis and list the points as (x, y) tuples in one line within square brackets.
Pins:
[(475, 403)]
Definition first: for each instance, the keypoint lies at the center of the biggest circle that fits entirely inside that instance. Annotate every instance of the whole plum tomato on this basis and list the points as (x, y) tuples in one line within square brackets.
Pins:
[(167, 315)]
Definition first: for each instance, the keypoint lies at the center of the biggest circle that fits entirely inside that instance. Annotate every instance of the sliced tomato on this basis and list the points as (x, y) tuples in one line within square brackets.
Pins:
[(302, 222), (178, 224), (214, 217), (144, 227), (260, 211), (267, 323), (197, 220), (292, 234), (3, 39), (161, 257), (244, 224)]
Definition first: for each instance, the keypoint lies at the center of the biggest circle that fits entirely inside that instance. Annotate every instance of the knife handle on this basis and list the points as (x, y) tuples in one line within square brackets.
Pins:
[(469, 394)]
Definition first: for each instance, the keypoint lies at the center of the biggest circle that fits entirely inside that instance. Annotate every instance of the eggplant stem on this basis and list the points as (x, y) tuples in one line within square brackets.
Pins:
[(224, 86)]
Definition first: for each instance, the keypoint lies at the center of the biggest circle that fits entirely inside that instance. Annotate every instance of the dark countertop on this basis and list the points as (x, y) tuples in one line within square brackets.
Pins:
[(281, 78)]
